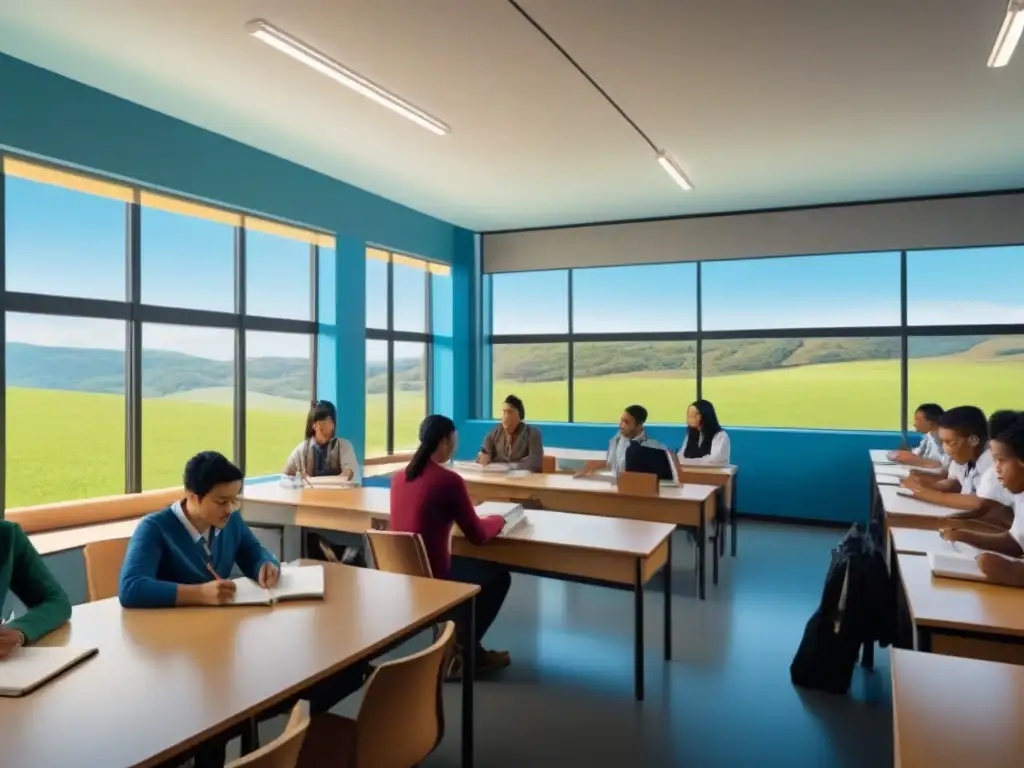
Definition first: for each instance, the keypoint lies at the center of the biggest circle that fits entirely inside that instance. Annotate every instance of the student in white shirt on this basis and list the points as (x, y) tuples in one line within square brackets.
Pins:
[(991, 502), (1002, 562), (964, 434), (927, 453), (706, 441), (322, 453), (631, 430)]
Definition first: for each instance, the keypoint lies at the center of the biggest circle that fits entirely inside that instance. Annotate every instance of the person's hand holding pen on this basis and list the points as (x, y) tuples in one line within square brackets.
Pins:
[(268, 576), (10, 639), (217, 592)]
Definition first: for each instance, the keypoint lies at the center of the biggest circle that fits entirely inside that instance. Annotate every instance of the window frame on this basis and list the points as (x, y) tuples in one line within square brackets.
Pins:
[(903, 331), (392, 336), (135, 314)]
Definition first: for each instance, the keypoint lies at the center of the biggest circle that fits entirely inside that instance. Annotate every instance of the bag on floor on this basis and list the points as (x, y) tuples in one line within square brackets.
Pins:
[(319, 548)]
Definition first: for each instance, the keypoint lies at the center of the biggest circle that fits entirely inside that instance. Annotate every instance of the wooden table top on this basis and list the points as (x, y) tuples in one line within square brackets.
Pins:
[(950, 711), (689, 492), (937, 602), (165, 679), (582, 454), (75, 538), (565, 529)]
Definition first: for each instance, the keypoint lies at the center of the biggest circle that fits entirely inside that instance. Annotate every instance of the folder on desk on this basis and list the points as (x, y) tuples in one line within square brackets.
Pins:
[(955, 566), (32, 668), (514, 514)]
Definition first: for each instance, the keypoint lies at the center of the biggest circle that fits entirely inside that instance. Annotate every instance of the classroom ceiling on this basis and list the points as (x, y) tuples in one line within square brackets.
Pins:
[(764, 104)]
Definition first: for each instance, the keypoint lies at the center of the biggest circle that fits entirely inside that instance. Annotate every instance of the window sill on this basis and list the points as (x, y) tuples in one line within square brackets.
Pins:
[(46, 518)]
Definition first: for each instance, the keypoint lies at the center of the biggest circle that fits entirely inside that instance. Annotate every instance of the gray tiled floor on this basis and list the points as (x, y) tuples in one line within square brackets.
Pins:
[(724, 700)]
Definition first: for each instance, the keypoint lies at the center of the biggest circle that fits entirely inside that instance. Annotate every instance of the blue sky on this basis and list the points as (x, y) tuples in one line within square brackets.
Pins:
[(964, 286), (67, 243)]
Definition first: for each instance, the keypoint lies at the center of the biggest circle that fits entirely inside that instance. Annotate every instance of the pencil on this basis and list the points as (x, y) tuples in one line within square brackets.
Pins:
[(209, 567)]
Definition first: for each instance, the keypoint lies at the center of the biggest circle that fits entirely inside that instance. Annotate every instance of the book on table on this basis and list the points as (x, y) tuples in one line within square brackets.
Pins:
[(296, 582), (514, 514), (329, 481), (33, 667), (955, 565), (495, 468)]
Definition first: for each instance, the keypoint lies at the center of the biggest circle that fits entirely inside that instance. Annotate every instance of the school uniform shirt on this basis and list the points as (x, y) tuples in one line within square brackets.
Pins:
[(969, 475), (1017, 529), (719, 453), (931, 448), (524, 447), (617, 449), (24, 575), (989, 487), (166, 550), (330, 459)]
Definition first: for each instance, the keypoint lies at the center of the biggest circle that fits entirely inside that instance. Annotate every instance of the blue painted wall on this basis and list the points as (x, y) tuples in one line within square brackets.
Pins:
[(807, 474), (55, 118)]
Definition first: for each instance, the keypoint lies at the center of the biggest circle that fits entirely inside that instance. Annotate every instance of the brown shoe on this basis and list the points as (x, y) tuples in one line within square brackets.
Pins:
[(491, 661)]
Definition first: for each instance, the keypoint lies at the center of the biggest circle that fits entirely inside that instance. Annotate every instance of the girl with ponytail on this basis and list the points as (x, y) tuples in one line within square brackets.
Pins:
[(429, 500)]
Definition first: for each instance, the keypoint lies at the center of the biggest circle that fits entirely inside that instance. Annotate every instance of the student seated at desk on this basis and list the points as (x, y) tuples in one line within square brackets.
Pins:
[(928, 453), (322, 453), (706, 441), (24, 575), (1002, 563), (631, 430), (513, 441), (428, 499), (990, 503), (964, 434)]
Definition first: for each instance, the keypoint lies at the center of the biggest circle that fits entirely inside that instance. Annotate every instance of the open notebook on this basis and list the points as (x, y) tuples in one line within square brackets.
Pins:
[(31, 668), (296, 582), (514, 514), (955, 566)]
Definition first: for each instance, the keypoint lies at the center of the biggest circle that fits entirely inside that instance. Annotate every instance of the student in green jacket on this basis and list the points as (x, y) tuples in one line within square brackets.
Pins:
[(24, 574)]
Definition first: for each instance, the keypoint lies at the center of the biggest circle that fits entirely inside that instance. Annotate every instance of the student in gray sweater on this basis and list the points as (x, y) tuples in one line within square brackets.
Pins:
[(322, 452)]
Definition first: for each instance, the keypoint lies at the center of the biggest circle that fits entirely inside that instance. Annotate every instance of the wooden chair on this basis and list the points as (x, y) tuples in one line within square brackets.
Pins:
[(103, 560), (549, 465), (402, 553), (282, 752), (400, 722)]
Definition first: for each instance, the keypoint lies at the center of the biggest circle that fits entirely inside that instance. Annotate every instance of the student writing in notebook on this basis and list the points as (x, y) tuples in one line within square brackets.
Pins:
[(428, 499), (322, 453), (24, 575), (928, 453), (706, 441), (184, 554), (631, 430), (964, 434), (1002, 563)]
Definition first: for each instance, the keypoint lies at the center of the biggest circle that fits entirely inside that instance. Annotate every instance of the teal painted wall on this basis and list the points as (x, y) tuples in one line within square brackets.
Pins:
[(58, 119)]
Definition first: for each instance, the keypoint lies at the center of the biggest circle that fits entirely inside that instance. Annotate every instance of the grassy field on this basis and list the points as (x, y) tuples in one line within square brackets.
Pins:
[(82, 435)]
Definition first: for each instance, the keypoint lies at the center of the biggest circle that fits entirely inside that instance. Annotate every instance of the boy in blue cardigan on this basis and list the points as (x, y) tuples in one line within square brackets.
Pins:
[(183, 555)]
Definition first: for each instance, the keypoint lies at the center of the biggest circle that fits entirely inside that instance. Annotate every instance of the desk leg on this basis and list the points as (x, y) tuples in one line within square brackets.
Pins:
[(668, 601), (719, 532), (924, 640), (638, 628), (468, 671), (702, 540), (250, 736), (732, 512)]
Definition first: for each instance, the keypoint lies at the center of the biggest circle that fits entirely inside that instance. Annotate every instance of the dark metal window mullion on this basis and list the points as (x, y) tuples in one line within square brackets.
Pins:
[(390, 446), (571, 372), (314, 311), (428, 373), (133, 349), (904, 347), (698, 362)]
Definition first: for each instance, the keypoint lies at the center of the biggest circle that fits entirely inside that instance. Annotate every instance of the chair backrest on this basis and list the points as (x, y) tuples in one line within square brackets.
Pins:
[(103, 560), (399, 553), (282, 752), (637, 483), (404, 697), (549, 465)]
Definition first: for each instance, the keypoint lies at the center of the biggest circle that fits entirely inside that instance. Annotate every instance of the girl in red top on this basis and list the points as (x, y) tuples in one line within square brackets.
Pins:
[(428, 499)]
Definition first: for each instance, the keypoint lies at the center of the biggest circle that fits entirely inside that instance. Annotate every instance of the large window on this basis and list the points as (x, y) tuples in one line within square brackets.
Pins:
[(399, 348), (141, 329), (818, 342)]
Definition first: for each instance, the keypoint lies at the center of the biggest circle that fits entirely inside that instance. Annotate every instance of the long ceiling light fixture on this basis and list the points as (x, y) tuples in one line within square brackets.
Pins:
[(1009, 34), (325, 65), (664, 159)]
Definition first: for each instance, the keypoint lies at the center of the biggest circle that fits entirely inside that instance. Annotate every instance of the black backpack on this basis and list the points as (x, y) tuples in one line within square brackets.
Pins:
[(857, 608)]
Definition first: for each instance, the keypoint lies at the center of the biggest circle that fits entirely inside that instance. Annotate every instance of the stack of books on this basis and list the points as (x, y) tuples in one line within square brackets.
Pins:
[(514, 514)]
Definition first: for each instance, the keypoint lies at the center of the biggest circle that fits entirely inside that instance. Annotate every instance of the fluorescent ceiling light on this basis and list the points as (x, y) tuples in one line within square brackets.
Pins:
[(1009, 34), (672, 169), (325, 65)]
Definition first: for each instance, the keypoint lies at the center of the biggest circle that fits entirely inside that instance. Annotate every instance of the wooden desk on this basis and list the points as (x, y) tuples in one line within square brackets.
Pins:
[(914, 541), (600, 550), (956, 712), (690, 473), (76, 538), (962, 618), (689, 506), (384, 470), (164, 681)]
